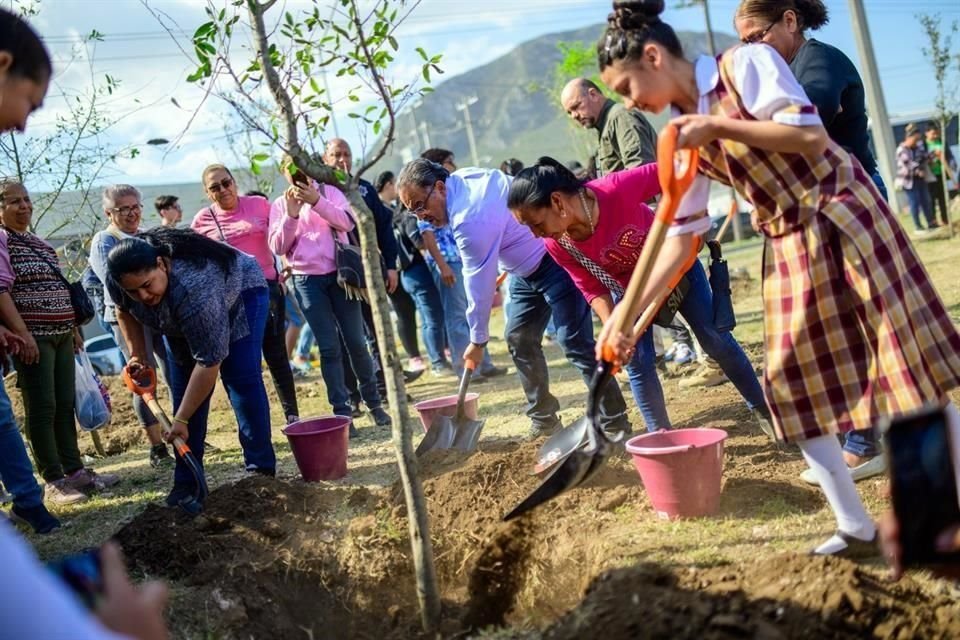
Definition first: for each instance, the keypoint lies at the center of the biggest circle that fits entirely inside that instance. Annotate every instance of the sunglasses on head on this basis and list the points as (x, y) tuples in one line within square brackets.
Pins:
[(224, 184)]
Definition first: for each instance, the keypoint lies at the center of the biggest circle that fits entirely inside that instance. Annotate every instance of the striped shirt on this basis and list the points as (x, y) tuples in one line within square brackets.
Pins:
[(29, 271)]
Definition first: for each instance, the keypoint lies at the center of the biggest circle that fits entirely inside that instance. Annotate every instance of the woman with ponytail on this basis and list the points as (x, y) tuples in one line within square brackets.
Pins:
[(210, 303), (853, 329), (595, 230), (832, 83)]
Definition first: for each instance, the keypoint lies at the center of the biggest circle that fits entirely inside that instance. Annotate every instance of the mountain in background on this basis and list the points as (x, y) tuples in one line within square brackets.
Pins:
[(516, 114)]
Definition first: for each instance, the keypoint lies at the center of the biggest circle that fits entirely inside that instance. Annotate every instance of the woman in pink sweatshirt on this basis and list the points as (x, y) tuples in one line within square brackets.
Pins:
[(243, 223), (596, 230), (303, 223)]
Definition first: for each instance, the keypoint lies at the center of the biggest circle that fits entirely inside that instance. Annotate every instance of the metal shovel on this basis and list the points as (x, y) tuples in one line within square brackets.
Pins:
[(459, 432), (564, 442), (145, 385), (583, 463)]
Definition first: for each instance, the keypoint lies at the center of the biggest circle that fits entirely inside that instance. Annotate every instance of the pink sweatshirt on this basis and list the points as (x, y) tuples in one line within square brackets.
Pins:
[(245, 228), (622, 227), (307, 241)]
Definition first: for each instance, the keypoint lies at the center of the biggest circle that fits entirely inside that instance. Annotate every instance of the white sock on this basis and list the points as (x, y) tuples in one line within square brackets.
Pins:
[(825, 457)]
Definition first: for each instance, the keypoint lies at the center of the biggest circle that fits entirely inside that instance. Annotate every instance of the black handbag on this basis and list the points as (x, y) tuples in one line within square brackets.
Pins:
[(83, 311), (723, 315), (349, 260)]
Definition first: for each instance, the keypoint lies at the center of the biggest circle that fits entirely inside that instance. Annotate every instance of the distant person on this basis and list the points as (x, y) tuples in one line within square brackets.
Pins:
[(626, 137), (511, 167), (169, 210), (938, 166), (123, 209), (443, 157), (912, 167)]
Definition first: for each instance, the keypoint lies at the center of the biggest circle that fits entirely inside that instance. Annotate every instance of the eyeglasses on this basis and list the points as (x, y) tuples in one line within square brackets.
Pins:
[(422, 206), (132, 210), (216, 187), (758, 36)]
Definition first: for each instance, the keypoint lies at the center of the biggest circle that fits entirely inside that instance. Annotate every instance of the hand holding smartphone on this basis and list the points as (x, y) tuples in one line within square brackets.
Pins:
[(922, 451)]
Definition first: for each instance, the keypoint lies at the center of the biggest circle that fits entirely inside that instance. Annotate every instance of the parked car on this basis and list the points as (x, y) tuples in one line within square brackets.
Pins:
[(104, 355)]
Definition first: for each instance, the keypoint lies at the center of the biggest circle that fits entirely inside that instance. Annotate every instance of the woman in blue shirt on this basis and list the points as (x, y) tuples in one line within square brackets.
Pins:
[(210, 303)]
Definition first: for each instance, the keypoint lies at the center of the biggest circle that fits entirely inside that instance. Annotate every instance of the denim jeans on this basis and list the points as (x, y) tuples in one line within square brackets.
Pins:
[(454, 300), (697, 310), (156, 354), (549, 290), (919, 199), (242, 378), (305, 342), (15, 468), (330, 314), (418, 281), (406, 311)]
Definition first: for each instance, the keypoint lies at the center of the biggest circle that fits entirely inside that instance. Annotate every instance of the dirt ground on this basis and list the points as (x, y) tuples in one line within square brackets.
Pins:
[(279, 558)]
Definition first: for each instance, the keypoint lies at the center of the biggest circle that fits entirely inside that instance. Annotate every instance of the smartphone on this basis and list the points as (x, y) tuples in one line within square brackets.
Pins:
[(923, 483), (298, 178), (82, 573)]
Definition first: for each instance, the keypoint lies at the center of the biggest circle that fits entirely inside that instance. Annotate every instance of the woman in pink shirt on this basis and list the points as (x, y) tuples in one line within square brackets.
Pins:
[(606, 221), (243, 222), (303, 223)]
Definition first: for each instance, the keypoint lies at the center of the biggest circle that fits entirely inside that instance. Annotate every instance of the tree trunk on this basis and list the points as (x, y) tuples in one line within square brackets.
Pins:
[(417, 517)]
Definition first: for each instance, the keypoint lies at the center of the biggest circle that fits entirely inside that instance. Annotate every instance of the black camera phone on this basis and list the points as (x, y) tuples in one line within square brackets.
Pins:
[(923, 484), (82, 573)]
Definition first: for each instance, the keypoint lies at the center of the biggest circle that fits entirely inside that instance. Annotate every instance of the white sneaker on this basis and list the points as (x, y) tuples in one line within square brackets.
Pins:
[(873, 467)]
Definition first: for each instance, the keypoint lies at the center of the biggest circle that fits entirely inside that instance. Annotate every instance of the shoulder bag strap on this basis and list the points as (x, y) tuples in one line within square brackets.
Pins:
[(595, 270), (223, 238)]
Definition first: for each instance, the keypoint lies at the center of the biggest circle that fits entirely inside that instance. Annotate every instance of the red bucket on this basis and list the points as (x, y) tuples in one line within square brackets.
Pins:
[(319, 446), (445, 406), (681, 470)]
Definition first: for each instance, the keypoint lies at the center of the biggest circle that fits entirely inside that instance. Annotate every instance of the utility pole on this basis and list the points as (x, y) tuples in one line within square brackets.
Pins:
[(465, 107), (416, 127), (426, 135), (883, 142)]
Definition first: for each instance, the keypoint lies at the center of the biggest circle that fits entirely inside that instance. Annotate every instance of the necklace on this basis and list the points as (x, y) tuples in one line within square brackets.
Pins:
[(586, 209)]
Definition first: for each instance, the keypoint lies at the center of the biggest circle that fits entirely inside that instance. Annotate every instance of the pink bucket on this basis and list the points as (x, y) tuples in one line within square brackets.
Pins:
[(319, 446), (445, 406), (681, 470)]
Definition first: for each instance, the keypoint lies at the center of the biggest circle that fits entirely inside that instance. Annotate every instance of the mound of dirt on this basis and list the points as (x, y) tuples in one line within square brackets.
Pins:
[(789, 596), (269, 555)]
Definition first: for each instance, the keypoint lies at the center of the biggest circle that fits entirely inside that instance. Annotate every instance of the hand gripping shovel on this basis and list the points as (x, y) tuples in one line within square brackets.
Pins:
[(564, 442), (144, 385), (459, 432), (583, 463)]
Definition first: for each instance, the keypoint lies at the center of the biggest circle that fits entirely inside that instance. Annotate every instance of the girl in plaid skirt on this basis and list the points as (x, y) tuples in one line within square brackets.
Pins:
[(854, 330)]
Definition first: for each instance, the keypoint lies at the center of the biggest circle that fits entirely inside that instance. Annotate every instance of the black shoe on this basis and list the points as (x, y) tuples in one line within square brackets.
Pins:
[(355, 410), (494, 372), (380, 417), (262, 471), (39, 519), (618, 432), (855, 549), (353, 432), (410, 376), (160, 456)]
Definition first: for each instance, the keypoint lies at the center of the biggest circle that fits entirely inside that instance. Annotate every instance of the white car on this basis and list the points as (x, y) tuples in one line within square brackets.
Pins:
[(104, 355)]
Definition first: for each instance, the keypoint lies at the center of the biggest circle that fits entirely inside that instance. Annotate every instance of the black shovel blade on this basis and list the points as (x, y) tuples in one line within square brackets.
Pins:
[(467, 434), (567, 475), (440, 435), (561, 444)]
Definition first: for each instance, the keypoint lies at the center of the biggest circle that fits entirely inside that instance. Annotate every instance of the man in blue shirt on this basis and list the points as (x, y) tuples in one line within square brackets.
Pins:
[(473, 203)]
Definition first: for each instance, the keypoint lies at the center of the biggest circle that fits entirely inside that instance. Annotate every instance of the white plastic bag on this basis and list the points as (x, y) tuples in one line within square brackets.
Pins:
[(90, 403)]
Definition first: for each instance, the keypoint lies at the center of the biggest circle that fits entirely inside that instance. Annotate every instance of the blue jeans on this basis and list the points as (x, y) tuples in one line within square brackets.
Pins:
[(697, 310), (454, 300), (15, 468), (418, 281), (331, 315), (305, 342), (919, 199), (878, 181), (533, 299), (243, 380)]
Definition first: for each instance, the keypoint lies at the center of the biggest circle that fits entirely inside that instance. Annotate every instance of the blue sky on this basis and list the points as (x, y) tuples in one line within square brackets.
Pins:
[(468, 33)]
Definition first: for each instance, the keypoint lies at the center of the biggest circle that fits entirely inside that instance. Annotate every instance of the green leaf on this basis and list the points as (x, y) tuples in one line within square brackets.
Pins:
[(426, 72), (376, 128), (393, 43), (261, 157), (423, 54), (203, 31)]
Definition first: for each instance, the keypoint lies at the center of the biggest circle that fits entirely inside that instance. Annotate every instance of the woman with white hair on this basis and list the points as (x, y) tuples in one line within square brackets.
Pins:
[(123, 207)]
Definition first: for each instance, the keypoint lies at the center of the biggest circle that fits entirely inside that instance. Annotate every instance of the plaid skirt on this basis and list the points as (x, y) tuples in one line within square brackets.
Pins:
[(853, 328)]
